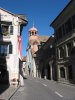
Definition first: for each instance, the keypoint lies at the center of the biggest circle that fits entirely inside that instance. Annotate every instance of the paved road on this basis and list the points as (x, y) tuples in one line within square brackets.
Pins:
[(37, 89)]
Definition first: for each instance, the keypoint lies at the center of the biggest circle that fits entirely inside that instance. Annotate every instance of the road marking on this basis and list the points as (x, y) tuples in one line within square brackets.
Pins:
[(44, 84), (58, 94)]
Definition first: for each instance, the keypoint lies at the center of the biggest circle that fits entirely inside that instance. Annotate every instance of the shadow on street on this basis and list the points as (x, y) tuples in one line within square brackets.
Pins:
[(3, 88)]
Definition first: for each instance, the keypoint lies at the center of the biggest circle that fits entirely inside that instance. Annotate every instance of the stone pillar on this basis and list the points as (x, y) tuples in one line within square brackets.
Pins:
[(45, 77), (73, 43), (51, 74), (66, 50)]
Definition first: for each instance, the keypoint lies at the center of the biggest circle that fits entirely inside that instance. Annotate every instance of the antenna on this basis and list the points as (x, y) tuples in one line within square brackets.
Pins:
[(33, 23)]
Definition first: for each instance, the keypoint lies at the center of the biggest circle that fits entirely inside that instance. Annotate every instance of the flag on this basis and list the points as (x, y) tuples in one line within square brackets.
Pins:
[(20, 47)]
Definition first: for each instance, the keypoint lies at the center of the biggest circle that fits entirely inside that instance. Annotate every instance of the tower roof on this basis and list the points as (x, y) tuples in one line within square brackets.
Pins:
[(33, 29)]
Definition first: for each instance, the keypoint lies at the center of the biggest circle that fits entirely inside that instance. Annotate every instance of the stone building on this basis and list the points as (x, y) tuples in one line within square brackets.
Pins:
[(64, 26), (11, 26), (45, 60)]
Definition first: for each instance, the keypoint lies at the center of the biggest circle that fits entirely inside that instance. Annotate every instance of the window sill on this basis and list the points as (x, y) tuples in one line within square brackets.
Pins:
[(2, 36)]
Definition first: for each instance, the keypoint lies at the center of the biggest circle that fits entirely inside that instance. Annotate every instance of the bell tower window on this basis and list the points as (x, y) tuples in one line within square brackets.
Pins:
[(32, 33)]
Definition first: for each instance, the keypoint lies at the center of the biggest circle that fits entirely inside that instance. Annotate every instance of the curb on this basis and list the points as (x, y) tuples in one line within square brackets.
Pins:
[(13, 93)]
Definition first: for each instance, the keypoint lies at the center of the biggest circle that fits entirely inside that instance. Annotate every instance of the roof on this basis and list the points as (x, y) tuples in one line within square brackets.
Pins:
[(33, 29), (47, 44), (43, 38), (16, 15), (62, 12)]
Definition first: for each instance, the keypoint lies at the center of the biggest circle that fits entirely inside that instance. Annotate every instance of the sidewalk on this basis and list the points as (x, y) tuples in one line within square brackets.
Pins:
[(8, 93)]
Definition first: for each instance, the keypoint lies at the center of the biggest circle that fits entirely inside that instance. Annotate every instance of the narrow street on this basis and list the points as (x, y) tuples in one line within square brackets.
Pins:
[(39, 89)]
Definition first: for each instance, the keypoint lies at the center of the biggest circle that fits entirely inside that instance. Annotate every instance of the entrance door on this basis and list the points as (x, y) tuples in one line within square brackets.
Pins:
[(62, 72)]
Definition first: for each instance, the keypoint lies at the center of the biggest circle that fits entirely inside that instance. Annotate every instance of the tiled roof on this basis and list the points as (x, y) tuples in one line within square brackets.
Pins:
[(43, 38)]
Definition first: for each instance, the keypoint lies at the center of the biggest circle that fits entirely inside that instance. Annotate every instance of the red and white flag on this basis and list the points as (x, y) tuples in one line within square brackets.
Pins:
[(20, 47)]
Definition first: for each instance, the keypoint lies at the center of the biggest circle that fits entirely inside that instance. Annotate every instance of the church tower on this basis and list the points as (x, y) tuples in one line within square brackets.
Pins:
[(33, 39)]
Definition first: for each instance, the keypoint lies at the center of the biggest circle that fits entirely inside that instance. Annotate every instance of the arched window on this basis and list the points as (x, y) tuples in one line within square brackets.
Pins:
[(61, 49), (35, 33), (62, 72), (32, 33)]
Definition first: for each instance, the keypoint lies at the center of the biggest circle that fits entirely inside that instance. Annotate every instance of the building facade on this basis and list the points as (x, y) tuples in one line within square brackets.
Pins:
[(31, 49), (64, 26), (33, 45), (25, 68), (11, 26), (45, 60)]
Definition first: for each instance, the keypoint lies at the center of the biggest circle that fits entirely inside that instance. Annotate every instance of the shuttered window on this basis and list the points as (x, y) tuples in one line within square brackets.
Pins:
[(5, 49), (11, 30)]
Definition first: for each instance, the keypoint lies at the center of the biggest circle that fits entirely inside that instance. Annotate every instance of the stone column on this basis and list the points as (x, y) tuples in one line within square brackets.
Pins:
[(66, 50), (51, 74), (45, 77)]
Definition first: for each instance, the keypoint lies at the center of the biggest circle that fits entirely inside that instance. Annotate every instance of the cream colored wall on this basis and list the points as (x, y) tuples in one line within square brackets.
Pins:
[(12, 59)]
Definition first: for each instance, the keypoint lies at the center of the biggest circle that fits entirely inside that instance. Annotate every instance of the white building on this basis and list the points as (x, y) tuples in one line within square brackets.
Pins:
[(10, 45)]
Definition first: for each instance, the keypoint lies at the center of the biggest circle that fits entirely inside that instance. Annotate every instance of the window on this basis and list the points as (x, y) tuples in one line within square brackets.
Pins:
[(73, 21), (68, 26), (57, 35), (69, 48), (32, 33), (42, 43), (57, 52), (63, 29), (35, 33), (62, 72), (61, 52), (5, 49), (11, 30), (6, 30), (60, 32), (39, 46)]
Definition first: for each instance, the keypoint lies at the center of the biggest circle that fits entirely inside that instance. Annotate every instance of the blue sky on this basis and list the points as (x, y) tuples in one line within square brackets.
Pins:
[(41, 12)]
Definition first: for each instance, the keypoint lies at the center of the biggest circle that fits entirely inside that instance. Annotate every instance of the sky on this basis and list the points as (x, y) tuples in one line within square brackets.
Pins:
[(39, 12)]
